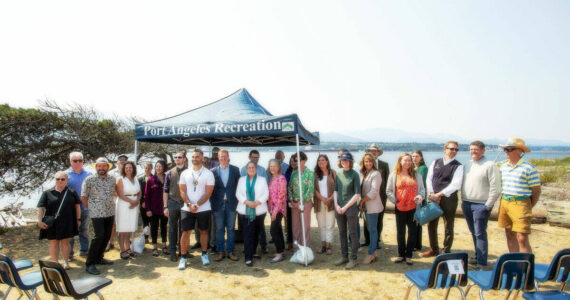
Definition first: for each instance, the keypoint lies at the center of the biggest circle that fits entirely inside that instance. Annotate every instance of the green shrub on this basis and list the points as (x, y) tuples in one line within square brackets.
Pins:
[(544, 162), (552, 175)]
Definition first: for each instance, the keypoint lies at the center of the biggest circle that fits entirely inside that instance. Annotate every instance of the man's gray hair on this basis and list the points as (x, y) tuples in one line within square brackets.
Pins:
[(75, 153)]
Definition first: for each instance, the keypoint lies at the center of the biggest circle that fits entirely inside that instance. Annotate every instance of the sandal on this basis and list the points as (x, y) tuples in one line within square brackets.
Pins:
[(125, 255), (399, 260), (323, 250), (165, 251), (131, 253), (329, 251), (155, 252)]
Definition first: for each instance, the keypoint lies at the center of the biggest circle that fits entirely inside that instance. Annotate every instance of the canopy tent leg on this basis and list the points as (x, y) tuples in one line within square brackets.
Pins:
[(136, 151), (301, 206)]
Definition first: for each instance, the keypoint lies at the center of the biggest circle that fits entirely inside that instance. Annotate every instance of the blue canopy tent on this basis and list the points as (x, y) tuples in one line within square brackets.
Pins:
[(237, 120)]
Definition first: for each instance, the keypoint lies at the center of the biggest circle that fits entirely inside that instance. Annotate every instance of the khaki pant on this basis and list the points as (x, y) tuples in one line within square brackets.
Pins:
[(297, 226)]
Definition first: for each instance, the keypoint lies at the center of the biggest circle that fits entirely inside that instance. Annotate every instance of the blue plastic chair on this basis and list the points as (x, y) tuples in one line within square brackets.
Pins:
[(438, 276), (547, 295), (512, 271), (10, 275), (558, 270), (57, 282), (20, 265)]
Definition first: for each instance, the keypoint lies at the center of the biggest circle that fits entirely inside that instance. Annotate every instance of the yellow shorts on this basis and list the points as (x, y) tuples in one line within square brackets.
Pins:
[(515, 215)]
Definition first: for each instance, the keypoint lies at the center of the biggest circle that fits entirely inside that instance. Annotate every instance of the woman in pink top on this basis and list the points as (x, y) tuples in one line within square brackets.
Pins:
[(277, 206)]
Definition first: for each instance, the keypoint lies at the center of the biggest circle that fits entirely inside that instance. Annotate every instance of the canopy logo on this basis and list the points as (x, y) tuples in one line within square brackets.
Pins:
[(287, 126)]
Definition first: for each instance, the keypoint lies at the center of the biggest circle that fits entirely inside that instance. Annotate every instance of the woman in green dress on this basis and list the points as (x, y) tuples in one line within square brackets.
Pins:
[(422, 169)]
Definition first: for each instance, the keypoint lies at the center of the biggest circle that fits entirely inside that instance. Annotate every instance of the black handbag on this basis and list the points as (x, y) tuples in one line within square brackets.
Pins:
[(50, 220)]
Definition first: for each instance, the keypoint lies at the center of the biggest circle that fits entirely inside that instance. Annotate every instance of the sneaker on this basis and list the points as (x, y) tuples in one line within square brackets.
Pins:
[(473, 261), (205, 260), (182, 263)]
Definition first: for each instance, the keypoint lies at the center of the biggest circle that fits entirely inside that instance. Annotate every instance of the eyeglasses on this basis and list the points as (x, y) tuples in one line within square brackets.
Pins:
[(77, 160), (60, 179), (509, 150), (453, 149)]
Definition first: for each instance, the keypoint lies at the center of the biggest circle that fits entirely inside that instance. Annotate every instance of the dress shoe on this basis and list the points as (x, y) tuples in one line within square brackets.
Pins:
[(232, 257), (351, 264), (105, 262), (92, 270), (173, 257), (220, 256), (429, 253)]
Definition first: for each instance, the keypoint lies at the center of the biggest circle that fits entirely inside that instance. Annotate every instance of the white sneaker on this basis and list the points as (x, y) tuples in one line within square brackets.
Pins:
[(182, 263), (205, 260)]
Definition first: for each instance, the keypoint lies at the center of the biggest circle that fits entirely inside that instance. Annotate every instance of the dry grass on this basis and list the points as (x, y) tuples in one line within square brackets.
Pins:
[(147, 277)]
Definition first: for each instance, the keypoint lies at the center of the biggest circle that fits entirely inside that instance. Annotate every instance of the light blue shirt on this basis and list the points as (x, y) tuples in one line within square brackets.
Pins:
[(225, 174), (75, 181), (284, 167)]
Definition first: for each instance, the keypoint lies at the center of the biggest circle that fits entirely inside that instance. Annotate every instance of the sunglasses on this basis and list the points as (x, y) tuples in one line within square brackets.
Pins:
[(60, 179), (453, 149), (178, 157), (77, 160), (509, 150)]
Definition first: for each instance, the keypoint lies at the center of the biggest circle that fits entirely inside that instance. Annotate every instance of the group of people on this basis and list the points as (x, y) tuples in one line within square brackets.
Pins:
[(208, 197)]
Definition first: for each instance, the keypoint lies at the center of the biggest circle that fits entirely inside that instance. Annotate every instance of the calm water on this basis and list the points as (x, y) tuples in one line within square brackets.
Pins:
[(240, 159)]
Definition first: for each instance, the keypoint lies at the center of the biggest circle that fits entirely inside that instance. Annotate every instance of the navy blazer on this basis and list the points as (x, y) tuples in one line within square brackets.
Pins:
[(229, 190)]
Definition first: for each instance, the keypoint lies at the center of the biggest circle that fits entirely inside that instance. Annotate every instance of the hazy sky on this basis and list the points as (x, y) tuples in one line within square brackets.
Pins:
[(482, 69)]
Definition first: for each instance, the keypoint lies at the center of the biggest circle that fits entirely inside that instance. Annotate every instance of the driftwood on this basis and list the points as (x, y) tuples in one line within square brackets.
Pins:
[(12, 216)]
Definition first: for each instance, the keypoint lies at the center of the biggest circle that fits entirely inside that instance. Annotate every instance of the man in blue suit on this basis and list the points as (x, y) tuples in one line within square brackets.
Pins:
[(224, 204)]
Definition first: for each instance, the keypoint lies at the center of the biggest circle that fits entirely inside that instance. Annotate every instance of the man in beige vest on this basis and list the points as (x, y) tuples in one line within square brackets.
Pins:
[(173, 202)]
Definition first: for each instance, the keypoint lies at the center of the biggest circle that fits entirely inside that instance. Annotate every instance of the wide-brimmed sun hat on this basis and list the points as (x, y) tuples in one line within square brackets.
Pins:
[(373, 147), (515, 143), (346, 156), (102, 160)]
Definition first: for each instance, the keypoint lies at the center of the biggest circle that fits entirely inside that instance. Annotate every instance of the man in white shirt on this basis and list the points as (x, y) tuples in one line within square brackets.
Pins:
[(444, 179), (196, 186)]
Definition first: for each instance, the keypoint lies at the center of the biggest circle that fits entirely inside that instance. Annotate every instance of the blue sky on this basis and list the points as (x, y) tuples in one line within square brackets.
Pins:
[(478, 69)]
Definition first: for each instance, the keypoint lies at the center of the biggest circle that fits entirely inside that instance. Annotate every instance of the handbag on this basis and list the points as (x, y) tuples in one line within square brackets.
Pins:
[(50, 220), (427, 212)]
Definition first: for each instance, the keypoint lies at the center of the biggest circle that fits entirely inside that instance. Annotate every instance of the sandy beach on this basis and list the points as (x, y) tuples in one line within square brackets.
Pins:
[(148, 277)]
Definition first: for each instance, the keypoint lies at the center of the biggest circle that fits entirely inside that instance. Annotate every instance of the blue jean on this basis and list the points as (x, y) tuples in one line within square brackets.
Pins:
[(371, 223), (83, 234), (477, 216), (225, 220)]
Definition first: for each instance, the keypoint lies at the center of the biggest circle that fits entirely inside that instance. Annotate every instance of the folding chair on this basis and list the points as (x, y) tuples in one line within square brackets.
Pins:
[(513, 271), (57, 282), (439, 275)]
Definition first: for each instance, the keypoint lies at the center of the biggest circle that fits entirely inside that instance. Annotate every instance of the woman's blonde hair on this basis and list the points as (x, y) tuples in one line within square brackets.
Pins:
[(363, 168), (398, 167)]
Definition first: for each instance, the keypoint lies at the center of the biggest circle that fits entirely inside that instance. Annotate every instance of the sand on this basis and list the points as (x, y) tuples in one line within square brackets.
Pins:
[(148, 277)]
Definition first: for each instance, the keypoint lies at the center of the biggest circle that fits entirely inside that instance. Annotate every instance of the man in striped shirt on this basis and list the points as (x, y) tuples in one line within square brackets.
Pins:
[(521, 190)]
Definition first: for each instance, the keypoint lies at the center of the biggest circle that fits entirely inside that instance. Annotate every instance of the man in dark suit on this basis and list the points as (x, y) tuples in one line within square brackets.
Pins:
[(224, 204), (384, 170)]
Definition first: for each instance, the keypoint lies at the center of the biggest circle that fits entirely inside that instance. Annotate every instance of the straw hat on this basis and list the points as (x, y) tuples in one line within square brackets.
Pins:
[(373, 146), (515, 143), (102, 160)]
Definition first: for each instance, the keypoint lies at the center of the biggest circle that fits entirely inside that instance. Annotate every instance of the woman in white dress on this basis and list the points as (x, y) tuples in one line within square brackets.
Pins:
[(127, 212)]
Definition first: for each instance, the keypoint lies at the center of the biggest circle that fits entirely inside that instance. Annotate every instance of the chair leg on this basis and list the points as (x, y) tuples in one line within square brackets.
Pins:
[(469, 288), (562, 286), (516, 294), (7, 292), (408, 291), (34, 294), (481, 294), (447, 293), (419, 296), (100, 295), (27, 294), (508, 295), (461, 291), (536, 285)]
